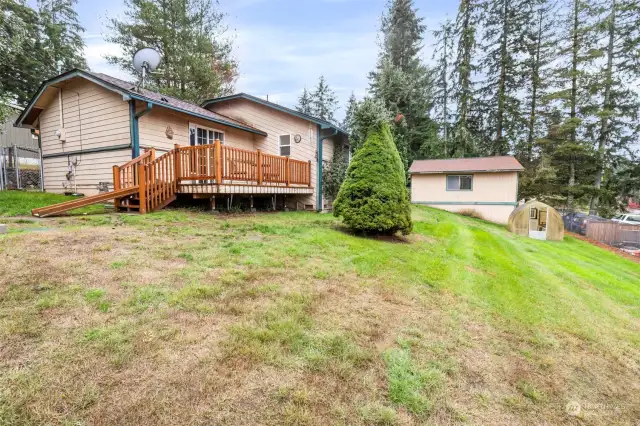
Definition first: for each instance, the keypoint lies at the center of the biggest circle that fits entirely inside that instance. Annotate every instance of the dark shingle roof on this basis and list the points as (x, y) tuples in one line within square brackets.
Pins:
[(170, 101), (477, 164)]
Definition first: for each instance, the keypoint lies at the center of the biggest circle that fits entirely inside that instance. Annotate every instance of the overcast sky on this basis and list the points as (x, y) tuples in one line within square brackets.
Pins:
[(283, 45)]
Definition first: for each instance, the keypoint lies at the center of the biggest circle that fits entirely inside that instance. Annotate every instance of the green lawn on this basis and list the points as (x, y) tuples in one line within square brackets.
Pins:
[(20, 203), (185, 317)]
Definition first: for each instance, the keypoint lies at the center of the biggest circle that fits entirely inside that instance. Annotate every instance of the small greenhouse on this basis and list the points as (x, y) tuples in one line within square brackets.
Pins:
[(538, 220)]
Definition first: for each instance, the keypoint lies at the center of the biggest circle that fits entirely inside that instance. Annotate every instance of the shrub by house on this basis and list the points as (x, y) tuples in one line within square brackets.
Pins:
[(373, 197)]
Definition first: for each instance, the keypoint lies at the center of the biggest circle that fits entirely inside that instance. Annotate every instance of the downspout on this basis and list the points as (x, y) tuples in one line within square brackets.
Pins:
[(133, 121), (319, 166), (41, 160), (60, 111)]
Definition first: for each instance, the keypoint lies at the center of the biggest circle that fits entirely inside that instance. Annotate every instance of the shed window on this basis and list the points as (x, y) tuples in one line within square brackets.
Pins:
[(459, 182), (285, 145)]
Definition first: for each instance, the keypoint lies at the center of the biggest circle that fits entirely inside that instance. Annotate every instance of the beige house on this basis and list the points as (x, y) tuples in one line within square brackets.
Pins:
[(90, 122), (487, 185)]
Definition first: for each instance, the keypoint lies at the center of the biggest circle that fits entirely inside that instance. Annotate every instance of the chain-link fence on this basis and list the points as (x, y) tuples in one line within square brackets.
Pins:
[(20, 168)]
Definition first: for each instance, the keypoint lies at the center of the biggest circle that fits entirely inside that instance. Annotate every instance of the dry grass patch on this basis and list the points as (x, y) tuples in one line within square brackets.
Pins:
[(180, 317)]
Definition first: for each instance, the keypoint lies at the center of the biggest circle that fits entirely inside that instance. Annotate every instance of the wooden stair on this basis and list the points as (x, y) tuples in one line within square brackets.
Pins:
[(144, 184)]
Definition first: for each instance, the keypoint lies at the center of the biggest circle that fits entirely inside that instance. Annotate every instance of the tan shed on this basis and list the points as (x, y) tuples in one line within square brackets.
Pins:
[(537, 220)]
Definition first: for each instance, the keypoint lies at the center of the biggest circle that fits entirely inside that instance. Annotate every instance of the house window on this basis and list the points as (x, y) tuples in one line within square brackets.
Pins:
[(459, 182), (199, 135), (285, 145)]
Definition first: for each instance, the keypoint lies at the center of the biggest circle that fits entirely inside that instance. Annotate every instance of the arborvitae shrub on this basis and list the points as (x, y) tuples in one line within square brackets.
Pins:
[(374, 197)]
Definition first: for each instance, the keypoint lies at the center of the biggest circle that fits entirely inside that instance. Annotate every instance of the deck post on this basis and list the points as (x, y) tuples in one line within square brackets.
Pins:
[(142, 189), (116, 185), (153, 154), (259, 167), (218, 162), (176, 163), (287, 172), (309, 173)]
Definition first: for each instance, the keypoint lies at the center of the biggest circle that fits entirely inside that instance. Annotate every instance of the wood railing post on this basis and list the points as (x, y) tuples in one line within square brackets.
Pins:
[(142, 189), (287, 172), (309, 174), (153, 154), (116, 185), (259, 167), (177, 163), (218, 162)]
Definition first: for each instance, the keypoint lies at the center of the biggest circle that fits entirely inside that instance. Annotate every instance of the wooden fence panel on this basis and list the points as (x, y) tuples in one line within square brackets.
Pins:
[(613, 233)]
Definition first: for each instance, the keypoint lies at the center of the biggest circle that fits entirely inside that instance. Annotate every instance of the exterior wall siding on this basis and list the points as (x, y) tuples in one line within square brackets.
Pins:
[(276, 123), (153, 126), (92, 169), (93, 118), (494, 195)]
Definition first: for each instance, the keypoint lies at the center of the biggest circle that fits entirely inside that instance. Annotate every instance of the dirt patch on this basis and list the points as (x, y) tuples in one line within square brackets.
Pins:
[(605, 246)]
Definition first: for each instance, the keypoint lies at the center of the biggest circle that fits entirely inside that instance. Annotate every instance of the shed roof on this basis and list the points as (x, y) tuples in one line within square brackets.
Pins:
[(129, 89), (478, 164)]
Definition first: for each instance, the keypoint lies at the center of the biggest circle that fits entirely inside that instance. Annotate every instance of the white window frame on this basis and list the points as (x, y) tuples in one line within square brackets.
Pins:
[(280, 146), (459, 180), (196, 126)]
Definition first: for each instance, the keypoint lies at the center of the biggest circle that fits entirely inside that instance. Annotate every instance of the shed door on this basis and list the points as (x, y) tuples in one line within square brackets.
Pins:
[(537, 223)]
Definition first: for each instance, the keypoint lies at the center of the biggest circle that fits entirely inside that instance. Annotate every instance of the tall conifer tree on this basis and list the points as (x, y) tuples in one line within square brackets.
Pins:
[(402, 82), (197, 59), (465, 135), (443, 53), (504, 43)]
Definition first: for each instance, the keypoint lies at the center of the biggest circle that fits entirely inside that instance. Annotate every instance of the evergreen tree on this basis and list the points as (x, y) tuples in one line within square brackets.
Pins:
[(305, 104), (324, 102), (366, 114), (352, 104), (35, 44), (443, 53), (540, 52), (19, 51), (63, 44), (465, 135), (569, 91), (334, 171), (402, 82), (504, 35), (197, 60), (617, 129), (374, 197)]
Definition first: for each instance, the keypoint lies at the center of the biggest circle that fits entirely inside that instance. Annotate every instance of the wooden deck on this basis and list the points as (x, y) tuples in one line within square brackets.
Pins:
[(147, 183), (210, 169)]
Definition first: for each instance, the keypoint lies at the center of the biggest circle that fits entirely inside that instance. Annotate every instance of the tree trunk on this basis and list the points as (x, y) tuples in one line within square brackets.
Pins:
[(606, 107), (535, 81), (465, 76), (574, 98), (445, 118), (501, 82)]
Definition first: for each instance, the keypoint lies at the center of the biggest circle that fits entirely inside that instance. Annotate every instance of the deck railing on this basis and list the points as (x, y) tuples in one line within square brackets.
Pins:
[(157, 179), (222, 164), (126, 176)]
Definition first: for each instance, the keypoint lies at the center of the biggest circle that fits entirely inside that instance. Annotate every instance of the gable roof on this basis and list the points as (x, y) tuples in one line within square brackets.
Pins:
[(127, 89), (477, 164), (325, 124)]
